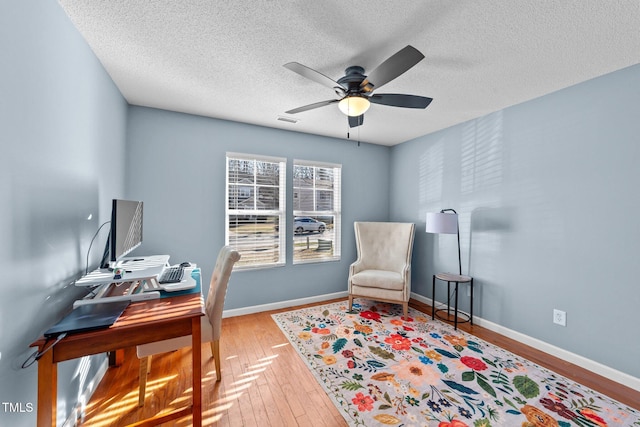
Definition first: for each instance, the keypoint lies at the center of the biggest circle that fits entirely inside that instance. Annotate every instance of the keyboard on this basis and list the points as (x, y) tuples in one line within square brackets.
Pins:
[(172, 274)]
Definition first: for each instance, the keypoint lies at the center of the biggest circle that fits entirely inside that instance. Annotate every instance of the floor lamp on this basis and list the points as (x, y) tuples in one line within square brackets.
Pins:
[(445, 223)]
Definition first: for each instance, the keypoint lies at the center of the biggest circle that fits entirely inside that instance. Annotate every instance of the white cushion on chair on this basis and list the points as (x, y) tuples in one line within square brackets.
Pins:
[(379, 279)]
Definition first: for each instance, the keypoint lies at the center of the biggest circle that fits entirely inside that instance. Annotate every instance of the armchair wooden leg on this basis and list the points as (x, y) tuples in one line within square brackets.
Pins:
[(405, 309), (350, 302), (144, 369), (215, 350)]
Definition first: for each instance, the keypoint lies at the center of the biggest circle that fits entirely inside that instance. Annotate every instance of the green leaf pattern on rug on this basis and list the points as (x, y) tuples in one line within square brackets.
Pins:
[(527, 387), (339, 344), (351, 385), (381, 353), (382, 369)]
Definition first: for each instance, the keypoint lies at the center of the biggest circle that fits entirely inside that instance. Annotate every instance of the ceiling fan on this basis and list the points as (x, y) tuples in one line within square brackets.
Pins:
[(355, 89)]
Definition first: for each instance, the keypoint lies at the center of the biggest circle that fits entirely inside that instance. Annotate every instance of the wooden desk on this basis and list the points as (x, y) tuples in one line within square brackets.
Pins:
[(141, 323)]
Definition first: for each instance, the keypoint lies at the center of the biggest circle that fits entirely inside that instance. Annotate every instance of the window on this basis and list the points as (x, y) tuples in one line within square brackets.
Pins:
[(255, 209), (316, 211)]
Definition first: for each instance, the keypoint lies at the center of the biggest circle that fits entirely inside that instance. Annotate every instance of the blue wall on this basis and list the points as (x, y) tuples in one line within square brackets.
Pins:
[(547, 196), (183, 155), (62, 134)]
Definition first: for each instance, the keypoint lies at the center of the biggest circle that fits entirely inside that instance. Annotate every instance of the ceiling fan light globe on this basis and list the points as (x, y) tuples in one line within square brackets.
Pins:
[(354, 106)]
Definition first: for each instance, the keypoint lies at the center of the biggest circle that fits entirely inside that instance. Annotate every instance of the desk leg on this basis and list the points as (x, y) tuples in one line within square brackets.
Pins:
[(196, 346), (116, 358), (47, 390)]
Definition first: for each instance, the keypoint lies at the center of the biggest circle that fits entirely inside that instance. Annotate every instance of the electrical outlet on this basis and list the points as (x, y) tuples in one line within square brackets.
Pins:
[(559, 317)]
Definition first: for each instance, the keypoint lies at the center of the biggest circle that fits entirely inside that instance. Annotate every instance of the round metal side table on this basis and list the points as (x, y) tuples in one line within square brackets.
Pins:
[(457, 279)]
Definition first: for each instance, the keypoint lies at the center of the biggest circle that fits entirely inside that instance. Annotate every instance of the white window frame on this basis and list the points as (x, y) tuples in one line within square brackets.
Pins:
[(334, 253), (250, 246)]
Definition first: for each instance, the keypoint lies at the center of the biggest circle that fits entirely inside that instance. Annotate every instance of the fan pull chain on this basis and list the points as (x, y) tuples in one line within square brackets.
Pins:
[(349, 134)]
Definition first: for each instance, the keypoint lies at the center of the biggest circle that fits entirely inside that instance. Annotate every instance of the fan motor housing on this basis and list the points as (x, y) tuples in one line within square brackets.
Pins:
[(354, 75)]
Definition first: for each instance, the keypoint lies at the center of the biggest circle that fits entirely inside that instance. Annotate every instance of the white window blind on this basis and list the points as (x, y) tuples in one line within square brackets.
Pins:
[(255, 209), (317, 211)]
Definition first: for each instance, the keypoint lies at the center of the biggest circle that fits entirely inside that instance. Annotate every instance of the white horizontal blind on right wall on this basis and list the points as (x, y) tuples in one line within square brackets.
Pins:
[(317, 211)]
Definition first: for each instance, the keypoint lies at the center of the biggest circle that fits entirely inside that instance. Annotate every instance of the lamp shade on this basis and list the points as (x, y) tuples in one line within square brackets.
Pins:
[(354, 106), (442, 223)]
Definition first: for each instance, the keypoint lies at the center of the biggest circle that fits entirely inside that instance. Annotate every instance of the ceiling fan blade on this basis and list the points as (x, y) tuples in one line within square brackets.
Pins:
[(312, 106), (394, 66), (399, 100), (356, 121), (314, 75)]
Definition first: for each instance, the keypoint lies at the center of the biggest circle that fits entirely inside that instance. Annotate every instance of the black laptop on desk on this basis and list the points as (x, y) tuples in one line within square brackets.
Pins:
[(88, 317)]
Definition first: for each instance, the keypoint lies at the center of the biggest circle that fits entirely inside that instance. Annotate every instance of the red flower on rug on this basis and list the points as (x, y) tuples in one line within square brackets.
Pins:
[(474, 363), (365, 403), (371, 315), (398, 342), (452, 423)]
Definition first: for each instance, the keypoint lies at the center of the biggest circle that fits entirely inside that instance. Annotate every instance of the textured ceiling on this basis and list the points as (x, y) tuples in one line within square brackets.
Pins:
[(225, 59)]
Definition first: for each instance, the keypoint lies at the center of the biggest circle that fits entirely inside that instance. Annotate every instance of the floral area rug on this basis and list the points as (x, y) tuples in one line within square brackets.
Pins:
[(382, 369)]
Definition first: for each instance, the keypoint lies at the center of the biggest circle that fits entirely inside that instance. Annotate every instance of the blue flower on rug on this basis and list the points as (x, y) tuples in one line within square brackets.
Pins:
[(383, 369)]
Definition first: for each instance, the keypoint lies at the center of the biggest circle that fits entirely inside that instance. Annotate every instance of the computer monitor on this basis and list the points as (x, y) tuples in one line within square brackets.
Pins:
[(126, 231)]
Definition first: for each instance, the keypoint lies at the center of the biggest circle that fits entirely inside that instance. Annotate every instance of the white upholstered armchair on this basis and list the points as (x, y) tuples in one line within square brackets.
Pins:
[(382, 271)]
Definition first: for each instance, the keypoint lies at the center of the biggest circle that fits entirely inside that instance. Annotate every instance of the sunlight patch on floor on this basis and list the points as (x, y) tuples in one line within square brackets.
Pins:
[(270, 358), (212, 416), (115, 409), (261, 366), (183, 400), (159, 382), (110, 412), (234, 394), (245, 380)]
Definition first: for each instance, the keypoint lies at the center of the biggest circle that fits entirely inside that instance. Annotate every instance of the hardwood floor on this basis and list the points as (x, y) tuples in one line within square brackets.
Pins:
[(264, 381)]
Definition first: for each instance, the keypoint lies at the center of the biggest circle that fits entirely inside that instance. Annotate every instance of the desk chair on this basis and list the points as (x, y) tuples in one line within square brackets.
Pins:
[(211, 321)]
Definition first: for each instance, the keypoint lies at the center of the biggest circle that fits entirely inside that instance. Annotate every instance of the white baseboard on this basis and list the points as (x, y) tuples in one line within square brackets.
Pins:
[(576, 359), (282, 304)]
